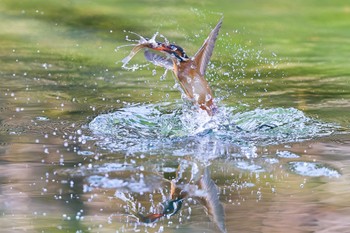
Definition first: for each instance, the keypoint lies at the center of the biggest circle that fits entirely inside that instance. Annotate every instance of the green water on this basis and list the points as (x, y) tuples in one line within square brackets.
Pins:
[(59, 70)]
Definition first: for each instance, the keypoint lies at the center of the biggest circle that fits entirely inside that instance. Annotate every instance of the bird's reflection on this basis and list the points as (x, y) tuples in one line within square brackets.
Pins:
[(201, 187)]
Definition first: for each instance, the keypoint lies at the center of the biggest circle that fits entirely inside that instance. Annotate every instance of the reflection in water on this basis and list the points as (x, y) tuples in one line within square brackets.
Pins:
[(189, 184), (211, 201), (173, 191), (203, 189)]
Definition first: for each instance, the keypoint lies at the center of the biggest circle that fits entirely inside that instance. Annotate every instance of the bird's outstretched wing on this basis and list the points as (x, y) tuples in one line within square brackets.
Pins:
[(203, 55), (159, 60)]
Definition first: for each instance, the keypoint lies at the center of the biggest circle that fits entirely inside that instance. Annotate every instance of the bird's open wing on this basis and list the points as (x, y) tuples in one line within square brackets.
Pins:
[(159, 60), (203, 55)]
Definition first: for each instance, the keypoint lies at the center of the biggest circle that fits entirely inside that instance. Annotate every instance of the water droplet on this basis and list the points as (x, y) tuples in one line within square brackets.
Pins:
[(208, 97)]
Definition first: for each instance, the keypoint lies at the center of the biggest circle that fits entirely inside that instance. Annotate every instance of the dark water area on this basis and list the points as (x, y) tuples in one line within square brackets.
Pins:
[(87, 146)]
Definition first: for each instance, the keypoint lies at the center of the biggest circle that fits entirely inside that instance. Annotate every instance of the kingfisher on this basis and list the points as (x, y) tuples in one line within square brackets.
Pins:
[(204, 190), (189, 71)]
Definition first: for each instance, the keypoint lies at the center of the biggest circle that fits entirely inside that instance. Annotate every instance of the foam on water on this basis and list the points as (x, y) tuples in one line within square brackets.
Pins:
[(177, 130), (313, 169)]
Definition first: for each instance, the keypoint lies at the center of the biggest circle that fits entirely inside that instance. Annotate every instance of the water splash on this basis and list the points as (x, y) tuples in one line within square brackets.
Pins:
[(178, 130)]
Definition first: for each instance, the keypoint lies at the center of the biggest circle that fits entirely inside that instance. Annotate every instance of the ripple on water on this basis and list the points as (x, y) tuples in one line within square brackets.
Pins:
[(85, 153), (114, 176), (249, 166), (287, 154), (313, 169), (105, 182), (42, 118)]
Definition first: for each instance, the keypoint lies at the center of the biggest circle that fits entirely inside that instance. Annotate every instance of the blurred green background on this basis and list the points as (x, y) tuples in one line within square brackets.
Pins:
[(299, 49)]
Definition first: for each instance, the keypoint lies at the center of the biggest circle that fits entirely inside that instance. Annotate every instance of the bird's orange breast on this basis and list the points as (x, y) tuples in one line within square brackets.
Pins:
[(195, 85)]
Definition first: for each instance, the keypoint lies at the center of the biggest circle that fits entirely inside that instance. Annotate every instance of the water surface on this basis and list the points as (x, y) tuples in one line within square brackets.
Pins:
[(83, 142)]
